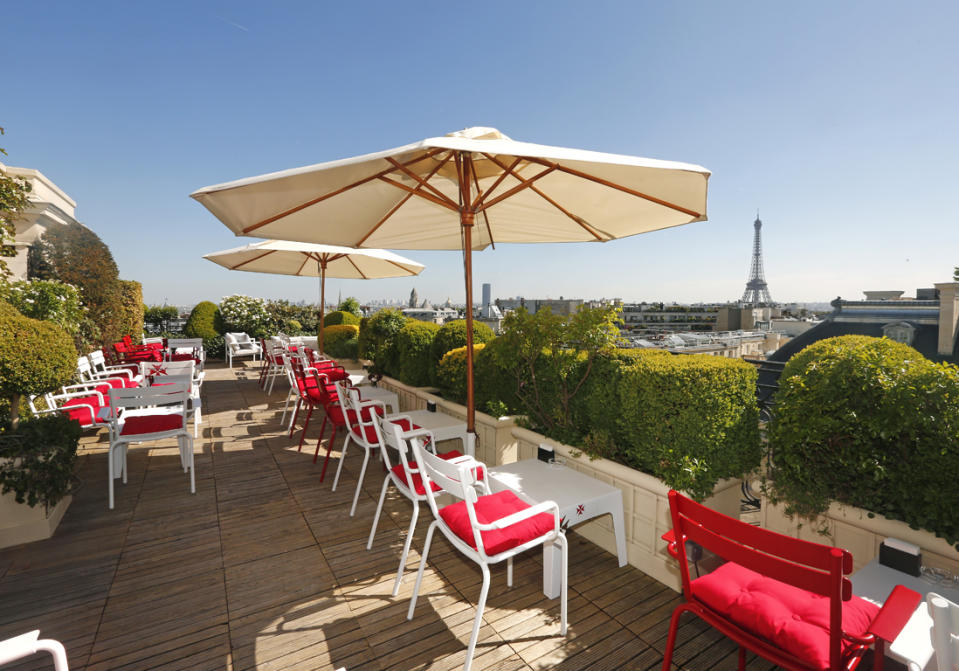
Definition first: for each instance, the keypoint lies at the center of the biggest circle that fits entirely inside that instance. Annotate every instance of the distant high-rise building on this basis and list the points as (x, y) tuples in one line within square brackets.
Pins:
[(414, 299), (757, 293), (487, 292)]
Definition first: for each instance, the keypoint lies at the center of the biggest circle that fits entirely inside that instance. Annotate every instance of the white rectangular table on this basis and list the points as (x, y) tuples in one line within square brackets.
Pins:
[(913, 646), (443, 427), (384, 396), (579, 497)]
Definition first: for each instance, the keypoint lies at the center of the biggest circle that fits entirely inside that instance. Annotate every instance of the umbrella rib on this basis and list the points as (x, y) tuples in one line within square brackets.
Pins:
[(306, 259), (578, 220), (618, 187), (421, 181), (524, 184), (320, 199), (417, 192), (362, 274), (507, 171), (484, 213), (255, 258), (400, 204)]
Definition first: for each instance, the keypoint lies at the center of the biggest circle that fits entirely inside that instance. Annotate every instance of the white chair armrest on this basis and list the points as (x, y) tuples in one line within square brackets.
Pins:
[(80, 394), (515, 518)]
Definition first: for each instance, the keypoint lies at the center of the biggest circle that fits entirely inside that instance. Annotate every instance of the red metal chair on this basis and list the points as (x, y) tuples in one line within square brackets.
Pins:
[(786, 599)]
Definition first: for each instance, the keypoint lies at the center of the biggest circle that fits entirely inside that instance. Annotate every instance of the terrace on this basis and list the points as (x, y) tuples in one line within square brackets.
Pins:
[(262, 568)]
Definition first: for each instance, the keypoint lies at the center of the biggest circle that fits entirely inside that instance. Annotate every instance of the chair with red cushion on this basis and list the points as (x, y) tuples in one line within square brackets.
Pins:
[(786, 599), (84, 405), (116, 380), (148, 414), (395, 432), (487, 529), (103, 368)]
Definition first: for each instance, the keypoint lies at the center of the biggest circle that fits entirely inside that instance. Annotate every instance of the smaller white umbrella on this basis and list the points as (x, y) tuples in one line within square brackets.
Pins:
[(282, 257)]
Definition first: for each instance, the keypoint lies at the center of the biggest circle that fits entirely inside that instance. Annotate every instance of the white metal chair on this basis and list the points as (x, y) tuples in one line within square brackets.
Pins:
[(945, 630), (85, 406), (85, 374), (28, 644), (99, 364), (239, 345), (395, 432), (146, 414), (360, 428), (487, 529), (166, 372), (185, 349)]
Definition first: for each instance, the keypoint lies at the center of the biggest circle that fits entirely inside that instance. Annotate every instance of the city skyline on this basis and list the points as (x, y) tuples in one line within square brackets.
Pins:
[(832, 121)]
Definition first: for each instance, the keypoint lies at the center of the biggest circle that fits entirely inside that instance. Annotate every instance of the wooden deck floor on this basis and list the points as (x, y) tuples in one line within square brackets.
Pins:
[(264, 569)]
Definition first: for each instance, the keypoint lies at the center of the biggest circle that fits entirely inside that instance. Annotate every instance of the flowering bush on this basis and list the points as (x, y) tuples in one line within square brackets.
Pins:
[(246, 314), (47, 300)]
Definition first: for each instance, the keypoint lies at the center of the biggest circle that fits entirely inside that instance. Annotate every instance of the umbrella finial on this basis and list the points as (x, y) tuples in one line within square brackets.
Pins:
[(479, 133)]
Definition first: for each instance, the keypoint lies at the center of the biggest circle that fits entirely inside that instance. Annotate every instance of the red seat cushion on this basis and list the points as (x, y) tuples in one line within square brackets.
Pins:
[(489, 509), (792, 618), (370, 432), (143, 424), (186, 356), (75, 409), (418, 479)]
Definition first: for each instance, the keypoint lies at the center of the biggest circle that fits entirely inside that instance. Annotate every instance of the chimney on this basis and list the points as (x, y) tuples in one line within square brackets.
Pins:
[(948, 316)]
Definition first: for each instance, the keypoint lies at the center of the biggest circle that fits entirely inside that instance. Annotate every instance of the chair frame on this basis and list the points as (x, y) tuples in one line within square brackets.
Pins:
[(353, 410), (145, 401), (460, 480), (30, 644), (813, 567), (945, 630), (238, 347)]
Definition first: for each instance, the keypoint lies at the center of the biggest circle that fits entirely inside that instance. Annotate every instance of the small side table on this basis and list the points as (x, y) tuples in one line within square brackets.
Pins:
[(913, 646), (579, 497)]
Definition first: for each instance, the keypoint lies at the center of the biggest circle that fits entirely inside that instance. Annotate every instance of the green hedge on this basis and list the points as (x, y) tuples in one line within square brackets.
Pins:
[(376, 340), (690, 420), (131, 308), (204, 322), (37, 460), (452, 335), (413, 348), (872, 423), (340, 342), (340, 317)]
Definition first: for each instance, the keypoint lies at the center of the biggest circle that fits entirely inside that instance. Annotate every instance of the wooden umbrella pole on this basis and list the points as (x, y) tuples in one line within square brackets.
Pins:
[(466, 220), (322, 302)]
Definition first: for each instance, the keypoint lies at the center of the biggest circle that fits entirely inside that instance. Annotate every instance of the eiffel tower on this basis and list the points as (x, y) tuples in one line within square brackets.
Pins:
[(757, 293)]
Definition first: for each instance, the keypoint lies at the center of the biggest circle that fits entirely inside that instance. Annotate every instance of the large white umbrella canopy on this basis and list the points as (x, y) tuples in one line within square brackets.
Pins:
[(465, 190), (284, 257)]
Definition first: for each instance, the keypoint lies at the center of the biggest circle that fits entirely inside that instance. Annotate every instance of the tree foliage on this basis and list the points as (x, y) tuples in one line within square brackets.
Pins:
[(340, 317), (377, 336), (340, 341), (35, 357), (14, 198), (452, 335), (37, 460), (74, 254), (47, 300), (351, 305), (413, 344), (245, 314), (131, 308)]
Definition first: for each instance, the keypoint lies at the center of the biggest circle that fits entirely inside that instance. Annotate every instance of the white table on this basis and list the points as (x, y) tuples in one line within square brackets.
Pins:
[(443, 427), (384, 396), (579, 497), (913, 646)]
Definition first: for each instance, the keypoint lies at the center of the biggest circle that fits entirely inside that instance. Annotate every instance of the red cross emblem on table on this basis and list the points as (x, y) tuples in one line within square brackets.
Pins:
[(580, 509)]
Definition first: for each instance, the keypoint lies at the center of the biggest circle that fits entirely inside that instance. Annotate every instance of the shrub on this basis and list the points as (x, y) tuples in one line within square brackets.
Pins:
[(337, 339), (690, 420), (378, 339), (130, 308), (23, 370), (413, 345), (246, 314), (290, 318), (351, 305), (74, 254), (47, 300), (202, 323), (340, 317), (871, 423), (37, 461), (451, 374), (159, 316), (452, 335)]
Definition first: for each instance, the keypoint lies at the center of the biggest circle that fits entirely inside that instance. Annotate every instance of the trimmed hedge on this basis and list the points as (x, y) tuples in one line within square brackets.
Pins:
[(377, 339), (871, 423), (451, 373), (23, 369), (452, 335), (340, 341), (204, 322), (340, 317), (131, 308), (413, 346)]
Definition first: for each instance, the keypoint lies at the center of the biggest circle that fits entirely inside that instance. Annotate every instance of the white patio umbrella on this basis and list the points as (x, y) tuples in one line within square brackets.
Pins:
[(466, 190), (284, 257)]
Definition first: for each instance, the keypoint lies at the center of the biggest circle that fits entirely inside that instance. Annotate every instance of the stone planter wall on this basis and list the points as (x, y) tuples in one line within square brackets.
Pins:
[(645, 504), (19, 523), (854, 530)]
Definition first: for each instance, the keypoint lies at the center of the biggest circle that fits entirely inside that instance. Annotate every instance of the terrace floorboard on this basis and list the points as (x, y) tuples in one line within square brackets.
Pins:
[(264, 569)]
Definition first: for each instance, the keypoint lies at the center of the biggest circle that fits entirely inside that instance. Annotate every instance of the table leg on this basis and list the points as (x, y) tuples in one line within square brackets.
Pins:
[(469, 443), (552, 569), (619, 530)]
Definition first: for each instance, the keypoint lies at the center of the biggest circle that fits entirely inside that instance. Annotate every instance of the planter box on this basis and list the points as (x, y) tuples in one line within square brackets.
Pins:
[(852, 529), (495, 443), (19, 523), (645, 504)]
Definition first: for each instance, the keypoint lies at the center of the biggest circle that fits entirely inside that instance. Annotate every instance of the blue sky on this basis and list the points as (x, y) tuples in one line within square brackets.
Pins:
[(837, 121)]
